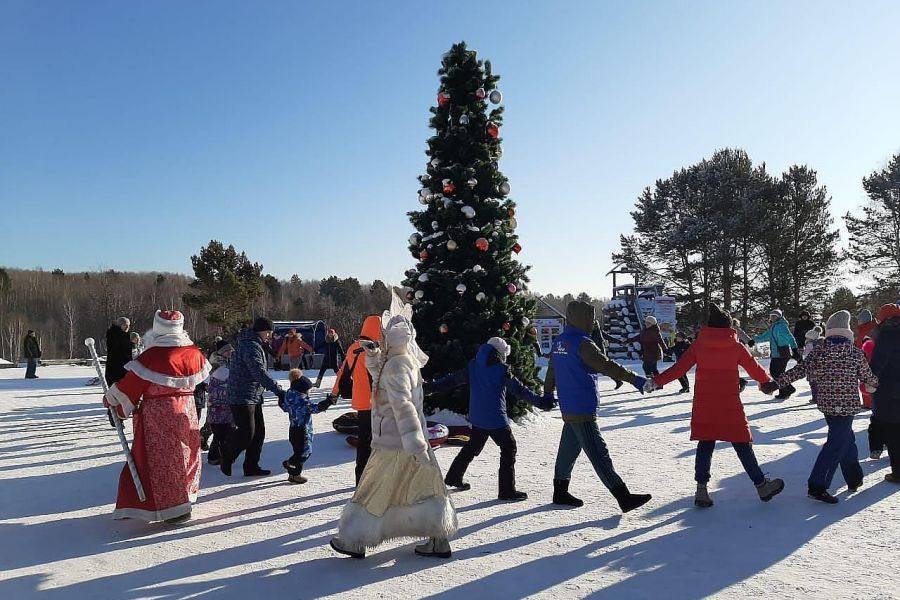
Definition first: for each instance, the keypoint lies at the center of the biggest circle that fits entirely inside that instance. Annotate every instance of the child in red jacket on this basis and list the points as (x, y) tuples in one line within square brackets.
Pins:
[(717, 412)]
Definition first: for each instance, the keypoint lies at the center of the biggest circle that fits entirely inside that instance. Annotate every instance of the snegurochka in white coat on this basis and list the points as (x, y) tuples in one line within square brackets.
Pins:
[(401, 493)]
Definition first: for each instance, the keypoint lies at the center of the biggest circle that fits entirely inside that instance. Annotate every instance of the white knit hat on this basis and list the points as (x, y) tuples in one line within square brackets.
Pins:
[(813, 334), (166, 322), (776, 313), (500, 346), (650, 321)]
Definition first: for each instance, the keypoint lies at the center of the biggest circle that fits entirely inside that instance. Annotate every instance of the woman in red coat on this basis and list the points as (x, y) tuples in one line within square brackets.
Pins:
[(717, 413)]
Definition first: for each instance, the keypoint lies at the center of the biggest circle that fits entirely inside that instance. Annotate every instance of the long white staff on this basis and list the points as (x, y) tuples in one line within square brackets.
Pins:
[(89, 342)]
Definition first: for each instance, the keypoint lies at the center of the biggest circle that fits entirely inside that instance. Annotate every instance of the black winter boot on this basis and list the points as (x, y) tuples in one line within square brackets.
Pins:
[(628, 501), (561, 494)]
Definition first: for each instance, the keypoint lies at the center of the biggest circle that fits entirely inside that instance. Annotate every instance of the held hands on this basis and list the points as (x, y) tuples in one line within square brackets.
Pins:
[(650, 386), (548, 403), (770, 387), (280, 395), (639, 384)]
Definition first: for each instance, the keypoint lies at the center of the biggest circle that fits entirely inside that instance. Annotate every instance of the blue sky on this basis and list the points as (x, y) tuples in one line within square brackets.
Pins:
[(132, 133)]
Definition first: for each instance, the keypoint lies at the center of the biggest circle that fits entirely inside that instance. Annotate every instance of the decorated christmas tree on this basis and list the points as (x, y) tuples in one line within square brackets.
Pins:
[(467, 285)]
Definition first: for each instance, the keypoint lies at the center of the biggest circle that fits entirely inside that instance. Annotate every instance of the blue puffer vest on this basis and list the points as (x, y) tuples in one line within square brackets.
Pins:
[(487, 391), (576, 383)]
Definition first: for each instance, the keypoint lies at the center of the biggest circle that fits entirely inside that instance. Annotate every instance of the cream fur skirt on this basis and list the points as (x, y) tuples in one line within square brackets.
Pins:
[(397, 498)]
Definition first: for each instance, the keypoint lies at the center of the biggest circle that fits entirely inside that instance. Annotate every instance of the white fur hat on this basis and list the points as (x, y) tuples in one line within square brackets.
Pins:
[(167, 322), (650, 321), (500, 346)]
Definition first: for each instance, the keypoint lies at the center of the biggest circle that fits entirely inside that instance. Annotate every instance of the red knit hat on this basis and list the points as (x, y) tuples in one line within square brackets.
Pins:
[(888, 311)]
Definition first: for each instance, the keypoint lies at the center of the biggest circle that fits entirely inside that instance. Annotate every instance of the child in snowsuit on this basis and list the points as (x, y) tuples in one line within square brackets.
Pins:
[(717, 413), (298, 405), (576, 364), (876, 442), (837, 367), (218, 415), (679, 349), (886, 399), (489, 381)]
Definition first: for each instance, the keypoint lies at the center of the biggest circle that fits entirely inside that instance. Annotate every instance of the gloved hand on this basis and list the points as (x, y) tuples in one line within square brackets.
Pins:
[(770, 387), (639, 383), (280, 395), (548, 403), (650, 386), (870, 389)]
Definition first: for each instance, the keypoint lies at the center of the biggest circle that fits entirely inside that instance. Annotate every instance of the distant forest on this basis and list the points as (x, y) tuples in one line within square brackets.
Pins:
[(65, 308)]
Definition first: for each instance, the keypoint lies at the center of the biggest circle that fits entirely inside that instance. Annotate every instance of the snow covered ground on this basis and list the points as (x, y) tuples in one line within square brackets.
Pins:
[(266, 538)]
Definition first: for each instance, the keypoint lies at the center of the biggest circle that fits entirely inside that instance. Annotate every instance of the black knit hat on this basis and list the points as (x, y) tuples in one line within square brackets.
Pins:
[(302, 384), (263, 324), (718, 317)]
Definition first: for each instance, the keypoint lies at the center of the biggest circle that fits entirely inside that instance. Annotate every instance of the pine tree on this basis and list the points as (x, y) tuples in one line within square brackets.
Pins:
[(225, 287), (467, 285), (875, 235)]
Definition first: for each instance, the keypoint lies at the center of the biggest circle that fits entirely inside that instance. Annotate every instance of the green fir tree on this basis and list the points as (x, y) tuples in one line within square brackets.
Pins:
[(467, 285)]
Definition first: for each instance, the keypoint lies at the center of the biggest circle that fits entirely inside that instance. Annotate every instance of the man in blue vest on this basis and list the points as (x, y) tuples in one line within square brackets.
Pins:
[(576, 364), (489, 381)]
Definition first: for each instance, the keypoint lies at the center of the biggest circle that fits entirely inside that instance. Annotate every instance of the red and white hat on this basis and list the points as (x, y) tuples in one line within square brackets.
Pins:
[(167, 322)]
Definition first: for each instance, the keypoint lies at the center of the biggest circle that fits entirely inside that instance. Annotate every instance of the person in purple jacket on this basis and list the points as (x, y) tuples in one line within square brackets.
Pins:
[(489, 381)]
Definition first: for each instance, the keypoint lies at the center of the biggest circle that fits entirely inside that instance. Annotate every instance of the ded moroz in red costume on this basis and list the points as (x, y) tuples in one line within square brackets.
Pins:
[(158, 392)]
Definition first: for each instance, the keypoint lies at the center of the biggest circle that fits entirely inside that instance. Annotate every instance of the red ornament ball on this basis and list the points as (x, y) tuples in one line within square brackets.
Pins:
[(493, 130), (511, 288), (482, 244), (480, 93), (443, 99), (448, 189), (507, 327), (443, 328), (532, 332), (410, 296), (423, 255), (511, 211), (517, 248)]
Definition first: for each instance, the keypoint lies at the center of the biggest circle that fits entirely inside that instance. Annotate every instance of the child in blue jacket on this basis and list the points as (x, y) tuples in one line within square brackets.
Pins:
[(489, 381), (298, 405)]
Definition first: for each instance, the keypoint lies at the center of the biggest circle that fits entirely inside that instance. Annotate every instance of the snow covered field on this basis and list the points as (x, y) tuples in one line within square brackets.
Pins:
[(266, 538)]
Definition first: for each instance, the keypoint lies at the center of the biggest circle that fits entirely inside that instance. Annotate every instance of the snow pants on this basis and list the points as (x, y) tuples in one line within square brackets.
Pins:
[(218, 446), (890, 433), (302, 450), (703, 461), (876, 439), (505, 439), (777, 367), (31, 368), (585, 436), (364, 442), (839, 450)]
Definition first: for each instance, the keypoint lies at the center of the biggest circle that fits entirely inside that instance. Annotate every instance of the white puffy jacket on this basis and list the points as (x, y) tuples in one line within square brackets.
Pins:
[(398, 421)]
